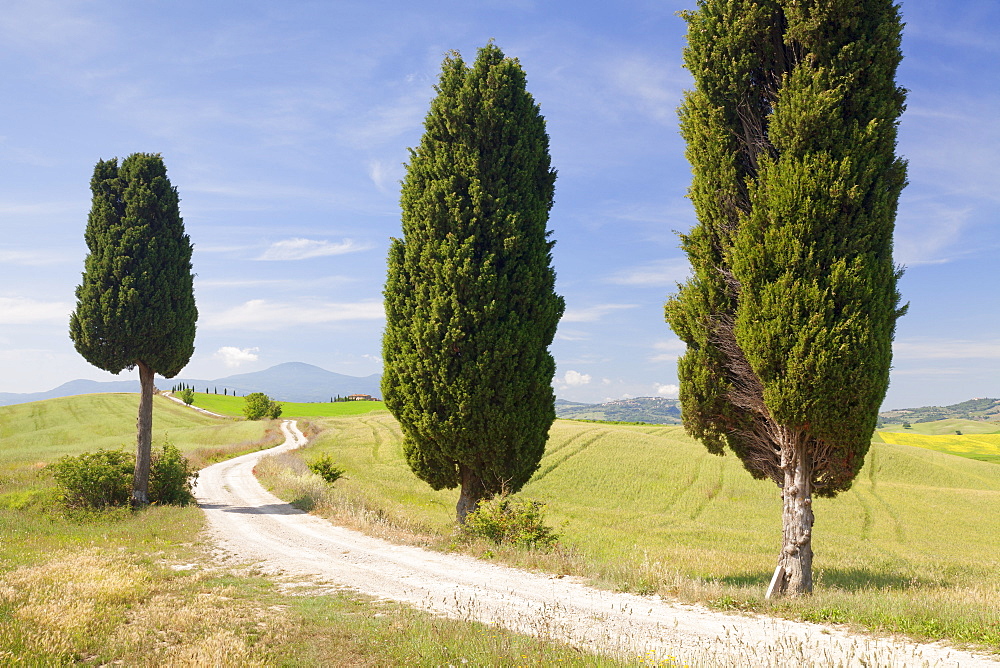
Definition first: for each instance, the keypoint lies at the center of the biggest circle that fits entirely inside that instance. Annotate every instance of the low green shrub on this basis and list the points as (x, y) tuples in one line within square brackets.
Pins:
[(505, 519), (104, 478), (171, 477), (326, 469), (186, 395), (95, 479), (257, 405)]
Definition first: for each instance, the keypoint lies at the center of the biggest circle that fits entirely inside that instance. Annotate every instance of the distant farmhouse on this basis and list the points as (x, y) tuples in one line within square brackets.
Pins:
[(361, 397)]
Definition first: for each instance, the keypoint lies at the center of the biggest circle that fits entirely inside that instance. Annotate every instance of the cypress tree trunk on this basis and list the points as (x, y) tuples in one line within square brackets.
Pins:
[(793, 575), (144, 437), (473, 491)]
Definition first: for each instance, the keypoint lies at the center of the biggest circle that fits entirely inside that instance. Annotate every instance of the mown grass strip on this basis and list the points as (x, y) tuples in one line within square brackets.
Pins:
[(233, 406)]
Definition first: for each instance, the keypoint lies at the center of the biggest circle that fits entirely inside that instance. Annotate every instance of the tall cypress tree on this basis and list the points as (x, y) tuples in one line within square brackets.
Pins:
[(470, 302), (135, 306), (790, 312)]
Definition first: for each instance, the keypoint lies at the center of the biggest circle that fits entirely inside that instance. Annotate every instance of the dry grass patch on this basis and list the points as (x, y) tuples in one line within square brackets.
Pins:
[(103, 605)]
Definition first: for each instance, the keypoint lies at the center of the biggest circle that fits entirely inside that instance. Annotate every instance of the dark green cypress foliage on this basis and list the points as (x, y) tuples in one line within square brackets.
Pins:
[(790, 314), (470, 301), (135, 305)]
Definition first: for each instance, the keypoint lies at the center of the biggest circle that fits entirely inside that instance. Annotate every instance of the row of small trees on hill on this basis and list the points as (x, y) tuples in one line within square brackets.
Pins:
[(788, 317), (180, 387)]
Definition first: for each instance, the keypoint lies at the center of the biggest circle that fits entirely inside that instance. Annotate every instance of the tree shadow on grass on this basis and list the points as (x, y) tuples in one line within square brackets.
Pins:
[(266, 509), (846, 579), (860, 579)]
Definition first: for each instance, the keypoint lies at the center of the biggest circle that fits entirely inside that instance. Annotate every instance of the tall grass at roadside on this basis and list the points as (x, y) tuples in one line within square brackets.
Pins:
[(288, 476), (911, 548)]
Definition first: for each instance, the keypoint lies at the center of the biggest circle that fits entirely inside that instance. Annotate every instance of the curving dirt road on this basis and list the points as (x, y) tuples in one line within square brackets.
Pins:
[(252, 525)]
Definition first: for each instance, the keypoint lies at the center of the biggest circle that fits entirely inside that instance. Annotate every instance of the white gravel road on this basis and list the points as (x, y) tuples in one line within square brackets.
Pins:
[(252, 525)]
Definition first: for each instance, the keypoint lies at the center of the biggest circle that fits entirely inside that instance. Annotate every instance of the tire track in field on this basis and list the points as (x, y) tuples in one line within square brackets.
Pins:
[(898, 528), (569, 441), (376, 439), (866, 520), (562, 460), (679, 492), (711, 493)]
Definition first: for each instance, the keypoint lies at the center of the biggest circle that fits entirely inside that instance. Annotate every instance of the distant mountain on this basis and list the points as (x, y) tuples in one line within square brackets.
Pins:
[(69, 389), (654, 410), (291, 381), (973, 409)]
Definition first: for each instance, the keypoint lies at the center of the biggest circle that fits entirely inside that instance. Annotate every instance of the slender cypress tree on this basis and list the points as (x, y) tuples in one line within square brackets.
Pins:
[(135, 306), (470, 301), (790, 313)]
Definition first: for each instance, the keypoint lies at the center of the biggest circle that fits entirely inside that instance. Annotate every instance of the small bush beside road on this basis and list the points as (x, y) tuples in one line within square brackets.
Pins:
[(96, 480)]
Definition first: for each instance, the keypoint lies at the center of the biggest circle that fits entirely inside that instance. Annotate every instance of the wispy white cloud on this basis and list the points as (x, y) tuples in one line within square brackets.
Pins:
[(563, 335), (668, 350), (233, 357), (281, 283), (52, 25), (669, 391), (302, 249), (574, 378), (952, 142), (929, 233), (263, 314), (45, 209), (385, 123), (22, 311), (385, 176), (648, 86), (944, 372), (223, 248), (924, 349), (593, 313), (663, 273), (35, 258)]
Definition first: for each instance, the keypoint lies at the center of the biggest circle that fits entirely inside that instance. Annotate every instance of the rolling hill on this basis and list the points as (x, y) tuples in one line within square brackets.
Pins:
[(973, 409), (291, 381), (651, 410)]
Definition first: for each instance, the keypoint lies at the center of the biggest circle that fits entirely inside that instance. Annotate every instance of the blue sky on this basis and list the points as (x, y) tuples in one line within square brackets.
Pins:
[(285, 127)]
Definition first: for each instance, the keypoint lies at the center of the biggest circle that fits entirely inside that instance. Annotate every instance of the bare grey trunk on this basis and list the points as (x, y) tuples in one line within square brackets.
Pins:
[(793, 575), (473, 491), (144, 437)]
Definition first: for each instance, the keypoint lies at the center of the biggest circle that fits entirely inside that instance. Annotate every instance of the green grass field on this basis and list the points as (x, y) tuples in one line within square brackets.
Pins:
[(42, 431), (641, 508), (984, 447), (909, 548), (142, 588), (945, 427), (233, 406)]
